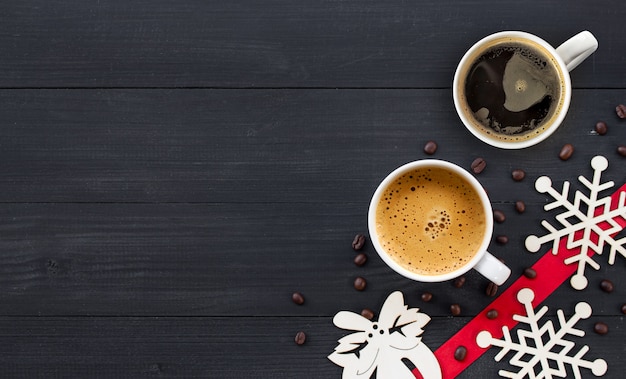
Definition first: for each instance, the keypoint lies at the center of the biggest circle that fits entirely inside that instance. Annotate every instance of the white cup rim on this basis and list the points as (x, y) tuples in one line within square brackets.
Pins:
[(565, 97), (484, 199)]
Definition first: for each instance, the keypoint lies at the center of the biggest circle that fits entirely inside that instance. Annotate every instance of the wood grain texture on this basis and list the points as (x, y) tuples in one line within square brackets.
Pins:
[(228, 260), (207, 347), (259, 146), (244, 43)]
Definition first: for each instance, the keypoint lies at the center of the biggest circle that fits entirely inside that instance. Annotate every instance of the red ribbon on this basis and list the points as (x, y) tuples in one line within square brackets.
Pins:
[(551, 273)]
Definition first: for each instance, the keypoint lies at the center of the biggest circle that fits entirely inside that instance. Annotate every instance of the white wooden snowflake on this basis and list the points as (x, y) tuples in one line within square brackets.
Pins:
[(582, 220), (543, 352)]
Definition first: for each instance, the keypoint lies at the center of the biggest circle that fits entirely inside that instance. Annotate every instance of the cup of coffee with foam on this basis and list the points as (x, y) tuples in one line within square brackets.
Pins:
[(512, 89), (431, 221)]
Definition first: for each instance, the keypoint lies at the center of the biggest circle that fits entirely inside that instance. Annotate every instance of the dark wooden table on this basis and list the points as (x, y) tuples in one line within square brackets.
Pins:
[(172, 171)]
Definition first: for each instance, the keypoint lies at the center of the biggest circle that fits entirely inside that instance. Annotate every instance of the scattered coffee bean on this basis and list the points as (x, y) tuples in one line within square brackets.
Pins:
[(460, 353), (502, 240), (458, 282), (606, 286), (367, 313), (430, 148), (600, 328), (300, 338), (621, 111), (455, 309), (360, 259), (518, 175), (621, 150), (427, 296), (492, 289), (297, 298), (358, 242), (492, 314), (360, 283), (601, 128), (499, 216), (624, 309), (520, 207), (566, 151), (530, 273), (478, 165)]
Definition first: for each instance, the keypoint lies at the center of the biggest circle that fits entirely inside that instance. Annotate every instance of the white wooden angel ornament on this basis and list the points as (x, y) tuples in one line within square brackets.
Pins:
[(388, 347)]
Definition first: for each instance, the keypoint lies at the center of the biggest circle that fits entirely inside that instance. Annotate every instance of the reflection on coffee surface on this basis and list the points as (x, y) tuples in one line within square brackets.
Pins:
[(513, 89), (430, 221)]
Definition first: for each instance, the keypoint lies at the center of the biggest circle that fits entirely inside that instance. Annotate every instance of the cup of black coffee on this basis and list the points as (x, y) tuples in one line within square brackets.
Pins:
[(512, 89)]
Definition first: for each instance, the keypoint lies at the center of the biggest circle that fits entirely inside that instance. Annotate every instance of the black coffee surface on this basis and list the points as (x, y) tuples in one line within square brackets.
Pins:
[(486, 96)]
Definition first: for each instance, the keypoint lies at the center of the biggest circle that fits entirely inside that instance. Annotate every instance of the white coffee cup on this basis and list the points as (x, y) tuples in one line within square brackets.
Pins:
[(481, 260), (561, 60)]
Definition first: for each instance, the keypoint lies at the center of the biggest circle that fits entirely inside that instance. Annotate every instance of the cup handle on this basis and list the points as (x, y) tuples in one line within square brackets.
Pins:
[(577, 49), (491, 268)]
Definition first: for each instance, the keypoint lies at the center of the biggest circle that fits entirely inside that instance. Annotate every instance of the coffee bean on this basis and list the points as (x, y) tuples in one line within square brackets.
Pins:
[(499, 216), (458, 282), (460, 353), (530, 273), (360, 283), (300, 338), (478, 165), (601, 128), (427, 296), (520, 207), (624, 309), (518, 175), (455, 309), (492, 289), (566, 151), (358, 242), (621, 150), (367, 313), (600, 328), (621, 111), (360, 259), (502, 240), (430, 148), (297, 298), (606, 286), (492, 314)]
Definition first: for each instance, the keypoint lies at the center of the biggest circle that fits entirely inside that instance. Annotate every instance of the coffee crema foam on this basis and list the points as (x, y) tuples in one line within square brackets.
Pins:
[(430, 221)]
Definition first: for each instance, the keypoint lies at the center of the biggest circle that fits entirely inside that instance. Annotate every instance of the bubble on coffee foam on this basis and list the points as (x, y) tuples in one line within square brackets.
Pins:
[(438, 224)]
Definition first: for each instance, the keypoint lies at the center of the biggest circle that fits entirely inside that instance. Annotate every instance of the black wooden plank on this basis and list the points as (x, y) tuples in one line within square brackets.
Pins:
[(279, 43), (229, 260), (201, 347), (252, 146)]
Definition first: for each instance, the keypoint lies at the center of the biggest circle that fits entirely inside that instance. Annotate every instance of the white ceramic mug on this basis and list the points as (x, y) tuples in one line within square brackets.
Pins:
[(481, 260), (563, 59)]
